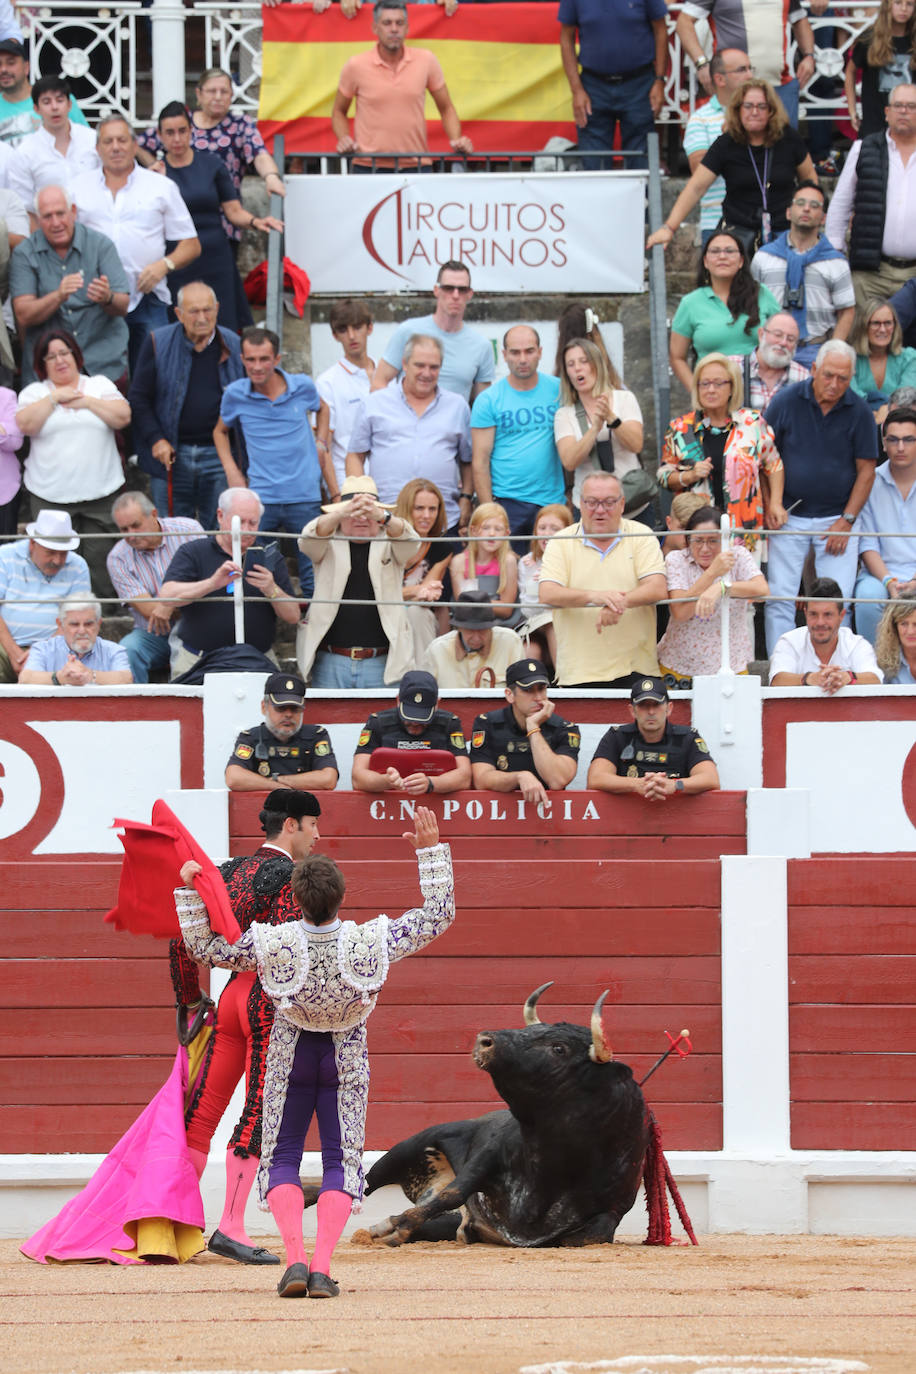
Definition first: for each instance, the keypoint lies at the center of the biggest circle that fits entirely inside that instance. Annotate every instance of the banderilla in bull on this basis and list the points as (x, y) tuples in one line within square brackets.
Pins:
[(675, 1047)]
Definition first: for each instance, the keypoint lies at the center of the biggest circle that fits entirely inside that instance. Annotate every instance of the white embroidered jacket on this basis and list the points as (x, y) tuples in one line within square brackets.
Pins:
[(326, 981)]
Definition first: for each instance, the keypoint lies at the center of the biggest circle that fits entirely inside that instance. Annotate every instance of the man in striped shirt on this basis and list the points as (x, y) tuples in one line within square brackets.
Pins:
[(35, 576), (137, 566)]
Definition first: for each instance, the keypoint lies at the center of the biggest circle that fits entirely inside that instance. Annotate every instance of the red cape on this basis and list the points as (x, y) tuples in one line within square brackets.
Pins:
[(153, 858)]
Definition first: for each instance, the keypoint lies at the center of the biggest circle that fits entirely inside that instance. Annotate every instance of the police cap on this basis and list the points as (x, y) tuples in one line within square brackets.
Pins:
[(648, 689), (417, 696), (284, 689), (526, 673)]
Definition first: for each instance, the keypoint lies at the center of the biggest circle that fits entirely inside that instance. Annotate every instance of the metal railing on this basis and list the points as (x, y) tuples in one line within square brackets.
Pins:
[(105, 53)]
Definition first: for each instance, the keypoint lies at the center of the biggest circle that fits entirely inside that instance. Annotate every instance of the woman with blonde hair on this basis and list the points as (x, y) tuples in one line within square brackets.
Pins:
[(724, 450), (598, 426), (488, 562), (420, 503), (895, 644), (882, 362), (759, 156)]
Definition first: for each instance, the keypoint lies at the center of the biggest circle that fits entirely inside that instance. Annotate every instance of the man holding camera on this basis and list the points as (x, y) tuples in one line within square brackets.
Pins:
[(807, 275)]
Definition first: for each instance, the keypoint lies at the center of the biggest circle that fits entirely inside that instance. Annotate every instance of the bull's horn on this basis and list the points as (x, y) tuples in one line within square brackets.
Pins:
[(600, 1051), (529, 1011)]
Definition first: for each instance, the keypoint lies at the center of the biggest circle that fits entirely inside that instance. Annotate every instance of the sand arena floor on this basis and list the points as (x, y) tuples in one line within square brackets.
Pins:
[(829, 1305)]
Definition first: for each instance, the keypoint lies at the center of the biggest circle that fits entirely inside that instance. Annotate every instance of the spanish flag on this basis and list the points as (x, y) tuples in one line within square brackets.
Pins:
[(501, 63)]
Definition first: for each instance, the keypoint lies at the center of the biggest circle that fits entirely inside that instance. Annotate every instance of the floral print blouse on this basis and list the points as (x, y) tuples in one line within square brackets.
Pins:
[(749, 447)]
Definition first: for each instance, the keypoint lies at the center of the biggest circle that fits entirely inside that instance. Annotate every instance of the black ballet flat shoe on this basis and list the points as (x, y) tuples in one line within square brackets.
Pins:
[(321, 1286), (295, 1282), (218, 1244)]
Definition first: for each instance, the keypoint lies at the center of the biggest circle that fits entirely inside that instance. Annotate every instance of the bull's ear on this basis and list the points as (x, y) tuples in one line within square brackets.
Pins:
[(600, 1051), (529, 1011)]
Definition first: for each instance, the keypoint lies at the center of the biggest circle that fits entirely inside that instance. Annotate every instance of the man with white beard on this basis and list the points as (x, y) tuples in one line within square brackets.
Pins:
[(772, 364)]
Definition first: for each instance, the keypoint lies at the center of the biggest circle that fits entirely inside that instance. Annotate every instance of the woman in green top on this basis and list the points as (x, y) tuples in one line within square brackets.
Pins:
[(882, 362), (723, 314)]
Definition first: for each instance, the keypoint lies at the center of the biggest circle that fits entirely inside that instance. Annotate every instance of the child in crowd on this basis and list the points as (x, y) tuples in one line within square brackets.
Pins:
[(886, 57), (537, 630), (488, 556)]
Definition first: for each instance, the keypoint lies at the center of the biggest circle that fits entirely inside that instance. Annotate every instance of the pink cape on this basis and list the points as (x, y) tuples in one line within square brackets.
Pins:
[(148, 1174)]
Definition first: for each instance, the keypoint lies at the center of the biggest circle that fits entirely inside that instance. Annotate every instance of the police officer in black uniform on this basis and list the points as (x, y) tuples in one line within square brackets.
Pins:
[(414, 725), (282, 751), (652, 756), (524, 746)]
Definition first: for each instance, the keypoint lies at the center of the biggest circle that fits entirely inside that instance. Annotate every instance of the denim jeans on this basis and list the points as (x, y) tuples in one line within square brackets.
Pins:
[(787, 554), (293, 516), (521, 515), (624, 102), (149, 313), (198, 480), (145, 651), (868, 614), (333, 670)]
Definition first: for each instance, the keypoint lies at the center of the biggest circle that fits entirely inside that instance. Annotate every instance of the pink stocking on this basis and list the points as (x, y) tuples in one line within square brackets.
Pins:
[(199, 1160), (241, 1171), (333, 1211), (287, 1205)]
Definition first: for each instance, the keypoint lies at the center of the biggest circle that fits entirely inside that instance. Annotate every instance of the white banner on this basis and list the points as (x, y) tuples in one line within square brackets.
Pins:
[(552, 233)]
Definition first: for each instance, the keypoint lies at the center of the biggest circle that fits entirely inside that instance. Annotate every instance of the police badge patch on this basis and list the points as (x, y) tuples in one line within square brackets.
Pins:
[(243, 751), (364, 738), (477, 738), (322, 748), (457, 739), (503, 763), (264, 769)]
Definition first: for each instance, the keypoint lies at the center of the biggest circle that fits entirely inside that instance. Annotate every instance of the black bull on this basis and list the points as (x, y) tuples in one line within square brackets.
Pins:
[(561, 1167)]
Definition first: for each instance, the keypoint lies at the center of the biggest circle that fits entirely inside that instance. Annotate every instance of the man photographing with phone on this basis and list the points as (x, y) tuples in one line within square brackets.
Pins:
[(200, 578)]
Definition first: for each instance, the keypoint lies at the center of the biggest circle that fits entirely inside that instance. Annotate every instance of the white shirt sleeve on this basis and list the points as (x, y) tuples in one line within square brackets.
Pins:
[(843, 196)]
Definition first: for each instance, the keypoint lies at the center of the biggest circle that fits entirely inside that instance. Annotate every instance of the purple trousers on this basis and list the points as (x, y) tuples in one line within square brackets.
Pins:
[(312, 1088)]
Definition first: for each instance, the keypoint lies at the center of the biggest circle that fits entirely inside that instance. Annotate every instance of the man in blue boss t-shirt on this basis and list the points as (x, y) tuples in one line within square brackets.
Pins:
[(272, 409), (513, 454)]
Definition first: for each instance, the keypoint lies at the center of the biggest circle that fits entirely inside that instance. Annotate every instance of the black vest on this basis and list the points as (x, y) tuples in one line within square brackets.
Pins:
[(870, 205)]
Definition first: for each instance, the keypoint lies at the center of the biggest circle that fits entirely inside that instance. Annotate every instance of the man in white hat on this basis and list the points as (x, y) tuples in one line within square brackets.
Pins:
[(357, 633), (36, 574)]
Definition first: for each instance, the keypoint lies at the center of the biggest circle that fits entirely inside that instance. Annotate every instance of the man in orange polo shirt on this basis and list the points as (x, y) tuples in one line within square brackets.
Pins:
[(389, 84)]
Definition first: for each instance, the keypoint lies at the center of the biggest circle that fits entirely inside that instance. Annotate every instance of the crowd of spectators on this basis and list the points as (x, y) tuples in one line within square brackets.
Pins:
[(438, 517)]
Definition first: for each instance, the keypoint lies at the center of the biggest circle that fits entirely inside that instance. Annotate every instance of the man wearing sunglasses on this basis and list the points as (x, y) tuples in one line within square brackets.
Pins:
[(467, 357), (604, 576)]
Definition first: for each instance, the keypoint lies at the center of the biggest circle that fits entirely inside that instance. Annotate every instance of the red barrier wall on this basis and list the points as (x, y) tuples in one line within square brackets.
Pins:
[(852, 1019)]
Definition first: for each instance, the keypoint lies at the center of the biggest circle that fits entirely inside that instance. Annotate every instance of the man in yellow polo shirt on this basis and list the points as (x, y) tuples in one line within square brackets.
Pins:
[(603, 576)]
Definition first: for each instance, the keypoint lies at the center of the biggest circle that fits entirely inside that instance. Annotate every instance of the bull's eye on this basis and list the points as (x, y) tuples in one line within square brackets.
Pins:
[(558, 1049)]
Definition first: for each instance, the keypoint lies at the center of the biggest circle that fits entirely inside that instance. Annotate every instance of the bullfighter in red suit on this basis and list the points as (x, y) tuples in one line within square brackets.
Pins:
[(259, 890)]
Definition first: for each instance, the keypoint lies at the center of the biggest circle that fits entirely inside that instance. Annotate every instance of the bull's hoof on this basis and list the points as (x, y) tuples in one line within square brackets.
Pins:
[(382, 1229)]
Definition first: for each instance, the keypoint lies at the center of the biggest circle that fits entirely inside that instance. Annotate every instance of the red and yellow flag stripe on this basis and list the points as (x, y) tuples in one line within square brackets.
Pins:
[(501, 63)]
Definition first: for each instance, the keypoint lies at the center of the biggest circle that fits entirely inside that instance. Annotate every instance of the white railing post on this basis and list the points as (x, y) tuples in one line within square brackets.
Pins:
[(167, 18), (725, 616), (238, 582)]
